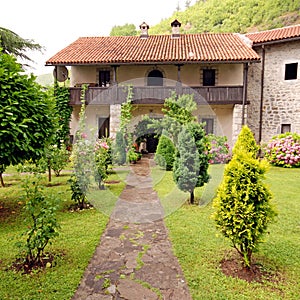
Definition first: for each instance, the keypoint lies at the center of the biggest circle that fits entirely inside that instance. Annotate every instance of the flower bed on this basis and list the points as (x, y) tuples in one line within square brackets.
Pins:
[(284, 150)]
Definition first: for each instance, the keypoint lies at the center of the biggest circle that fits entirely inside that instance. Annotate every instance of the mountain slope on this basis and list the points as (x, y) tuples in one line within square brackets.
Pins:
[(233, 16)]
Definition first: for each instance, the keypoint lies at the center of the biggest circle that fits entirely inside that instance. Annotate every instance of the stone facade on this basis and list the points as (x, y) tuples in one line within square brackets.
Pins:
[(115, 119), (237, 120), (281, 98)]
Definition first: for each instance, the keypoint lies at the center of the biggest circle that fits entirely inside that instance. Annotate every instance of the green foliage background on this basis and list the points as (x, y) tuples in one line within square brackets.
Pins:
[(233, 16)]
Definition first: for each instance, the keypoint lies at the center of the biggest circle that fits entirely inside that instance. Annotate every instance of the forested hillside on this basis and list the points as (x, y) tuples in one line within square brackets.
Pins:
[(233, 16)]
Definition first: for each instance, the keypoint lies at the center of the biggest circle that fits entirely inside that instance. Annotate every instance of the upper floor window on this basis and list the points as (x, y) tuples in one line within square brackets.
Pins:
[(291, 71), (104, 78), (155, 78), (209, 77)]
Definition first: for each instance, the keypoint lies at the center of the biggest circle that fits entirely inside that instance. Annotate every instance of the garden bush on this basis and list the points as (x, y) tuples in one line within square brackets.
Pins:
[(165, 151), (42, 226), (284, 150), (102, 160), (219, 149), (243, 208)]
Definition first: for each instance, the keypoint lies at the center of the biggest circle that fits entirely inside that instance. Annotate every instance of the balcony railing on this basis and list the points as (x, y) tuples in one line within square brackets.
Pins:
[(156, 95)]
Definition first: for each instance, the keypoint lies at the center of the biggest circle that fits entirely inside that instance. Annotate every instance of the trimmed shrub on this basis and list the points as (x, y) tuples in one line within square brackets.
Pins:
[(242, 205), (284, 150), (165, 151)]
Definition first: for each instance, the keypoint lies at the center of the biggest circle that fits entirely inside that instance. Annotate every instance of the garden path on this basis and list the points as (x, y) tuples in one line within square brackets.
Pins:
[(134, 259)]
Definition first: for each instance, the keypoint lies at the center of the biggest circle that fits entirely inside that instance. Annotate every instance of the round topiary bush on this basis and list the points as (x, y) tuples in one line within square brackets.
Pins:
[(284, 150), (165, 151)]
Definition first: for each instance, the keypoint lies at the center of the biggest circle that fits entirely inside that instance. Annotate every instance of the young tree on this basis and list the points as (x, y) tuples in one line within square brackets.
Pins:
[(186, 164), (201, 142), (242, 205), (178, 111), (26, 113)]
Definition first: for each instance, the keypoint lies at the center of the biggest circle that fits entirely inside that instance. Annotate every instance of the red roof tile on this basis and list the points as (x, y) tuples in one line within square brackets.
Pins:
[(274, 35), (155, 49)]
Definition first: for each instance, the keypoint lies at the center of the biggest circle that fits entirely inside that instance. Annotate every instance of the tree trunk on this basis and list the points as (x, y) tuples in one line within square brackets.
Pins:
[(192, 198), (2, 181), (49, 171)]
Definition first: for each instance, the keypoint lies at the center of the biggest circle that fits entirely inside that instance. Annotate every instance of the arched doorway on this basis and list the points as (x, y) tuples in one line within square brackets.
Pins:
[(145, 134), (155, 78)]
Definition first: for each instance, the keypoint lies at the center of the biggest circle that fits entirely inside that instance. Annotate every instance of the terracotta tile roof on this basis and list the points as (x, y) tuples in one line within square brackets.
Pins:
[(155, 49), (275, 35)]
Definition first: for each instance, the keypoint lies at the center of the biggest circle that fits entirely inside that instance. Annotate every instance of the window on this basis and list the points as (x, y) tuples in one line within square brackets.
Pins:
[(208, 125), (103, 127), (285, 128), (155, 78), (291, 71), (104, 78), (209, 77)]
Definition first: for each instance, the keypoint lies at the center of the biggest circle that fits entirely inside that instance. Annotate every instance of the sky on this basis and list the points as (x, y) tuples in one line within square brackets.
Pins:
[(55, 24)]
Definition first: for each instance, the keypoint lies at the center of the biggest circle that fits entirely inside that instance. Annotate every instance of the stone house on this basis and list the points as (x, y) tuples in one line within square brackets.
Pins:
[(223, 71), (274, 84)]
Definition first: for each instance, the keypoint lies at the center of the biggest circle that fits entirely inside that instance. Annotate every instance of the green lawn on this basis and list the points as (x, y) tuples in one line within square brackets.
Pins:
[(79, 235), (200, 249), (192, 232)]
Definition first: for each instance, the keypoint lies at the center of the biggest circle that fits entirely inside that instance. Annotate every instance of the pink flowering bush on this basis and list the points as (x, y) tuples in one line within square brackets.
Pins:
[(219, 149), (284, 150)]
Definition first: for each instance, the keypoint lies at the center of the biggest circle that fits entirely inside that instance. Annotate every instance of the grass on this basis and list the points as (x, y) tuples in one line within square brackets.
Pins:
[(199, 248), (78, 237), (192, 233)]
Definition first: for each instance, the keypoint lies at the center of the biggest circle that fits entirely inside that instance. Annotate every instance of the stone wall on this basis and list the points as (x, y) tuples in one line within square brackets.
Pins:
[(115, 119), (281, 101), (237, 120)]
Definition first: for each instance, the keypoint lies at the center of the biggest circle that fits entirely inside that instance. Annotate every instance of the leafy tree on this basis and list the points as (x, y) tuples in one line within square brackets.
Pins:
[(123, 30), (26, 114), (242, 205), (178, 111), (165, 151), (12, 43), (186, 163)]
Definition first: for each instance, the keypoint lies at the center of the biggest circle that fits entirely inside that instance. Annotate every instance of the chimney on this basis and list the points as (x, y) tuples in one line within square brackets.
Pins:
[(144, 30), (176, 29)]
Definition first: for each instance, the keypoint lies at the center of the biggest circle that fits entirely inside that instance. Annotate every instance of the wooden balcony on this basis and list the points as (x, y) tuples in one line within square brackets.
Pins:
[(157, 94)]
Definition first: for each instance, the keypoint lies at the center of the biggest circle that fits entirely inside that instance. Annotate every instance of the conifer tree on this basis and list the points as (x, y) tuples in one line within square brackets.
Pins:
[(186, 164), (242, 206)]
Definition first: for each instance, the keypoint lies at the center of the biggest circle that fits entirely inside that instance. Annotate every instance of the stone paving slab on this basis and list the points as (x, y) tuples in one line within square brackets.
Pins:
[(134, 259)]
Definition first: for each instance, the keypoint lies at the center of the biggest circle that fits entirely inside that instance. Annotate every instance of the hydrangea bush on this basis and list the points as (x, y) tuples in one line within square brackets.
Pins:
[(219, 149), (284, 150)]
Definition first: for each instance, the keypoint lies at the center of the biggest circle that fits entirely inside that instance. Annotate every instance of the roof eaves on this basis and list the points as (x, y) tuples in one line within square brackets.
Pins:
[(277, 41)]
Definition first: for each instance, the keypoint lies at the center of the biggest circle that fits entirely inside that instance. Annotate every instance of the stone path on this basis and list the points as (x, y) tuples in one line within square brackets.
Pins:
[(134, 260)]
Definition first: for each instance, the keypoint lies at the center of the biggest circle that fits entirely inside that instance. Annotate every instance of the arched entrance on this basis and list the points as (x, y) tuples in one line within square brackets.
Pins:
[(148, 135)]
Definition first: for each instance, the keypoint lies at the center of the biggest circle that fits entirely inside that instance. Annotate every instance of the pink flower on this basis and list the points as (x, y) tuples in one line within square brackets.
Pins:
[(104, 145), (84, 135)]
